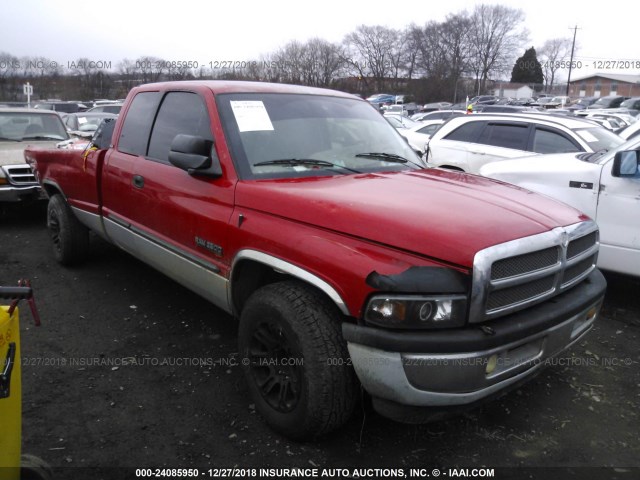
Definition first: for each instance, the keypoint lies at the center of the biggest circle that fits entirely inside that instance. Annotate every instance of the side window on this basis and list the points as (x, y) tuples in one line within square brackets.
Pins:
[(505, 135), (547, 141), (134, 136), (180, 112), (429, 129), (469, 132)]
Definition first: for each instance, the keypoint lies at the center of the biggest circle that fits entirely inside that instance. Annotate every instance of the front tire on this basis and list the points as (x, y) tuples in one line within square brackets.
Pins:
[(70, 238), (295, 360)]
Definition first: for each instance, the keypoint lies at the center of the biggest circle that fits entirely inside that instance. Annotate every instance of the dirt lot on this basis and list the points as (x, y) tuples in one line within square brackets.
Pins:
[(84, 406)]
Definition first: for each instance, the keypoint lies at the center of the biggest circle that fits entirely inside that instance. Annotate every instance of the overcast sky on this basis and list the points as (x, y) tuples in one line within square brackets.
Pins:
[(209, 31)]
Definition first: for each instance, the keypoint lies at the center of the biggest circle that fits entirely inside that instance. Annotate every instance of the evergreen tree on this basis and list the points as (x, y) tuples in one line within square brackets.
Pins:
[(527, 68)]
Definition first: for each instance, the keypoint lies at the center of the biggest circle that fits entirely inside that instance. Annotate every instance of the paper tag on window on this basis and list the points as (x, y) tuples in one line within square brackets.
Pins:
[(251, 115)]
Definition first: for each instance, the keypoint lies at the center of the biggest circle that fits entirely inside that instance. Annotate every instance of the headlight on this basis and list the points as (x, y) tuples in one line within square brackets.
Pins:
[(409, 311), (3, 178)]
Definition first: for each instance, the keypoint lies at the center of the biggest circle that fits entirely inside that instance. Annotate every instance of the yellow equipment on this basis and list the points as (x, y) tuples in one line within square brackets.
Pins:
[(13, 466)]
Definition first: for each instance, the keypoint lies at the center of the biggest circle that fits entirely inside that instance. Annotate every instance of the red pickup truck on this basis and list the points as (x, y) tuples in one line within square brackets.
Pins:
[(303, 213)]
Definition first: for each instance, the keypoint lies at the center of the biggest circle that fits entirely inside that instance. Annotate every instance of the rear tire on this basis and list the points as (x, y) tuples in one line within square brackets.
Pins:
[(70, 238), (295, 360)]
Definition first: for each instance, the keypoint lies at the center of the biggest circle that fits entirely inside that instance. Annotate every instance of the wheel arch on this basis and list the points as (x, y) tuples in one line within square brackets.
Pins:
[(252, 269), (52, 188)]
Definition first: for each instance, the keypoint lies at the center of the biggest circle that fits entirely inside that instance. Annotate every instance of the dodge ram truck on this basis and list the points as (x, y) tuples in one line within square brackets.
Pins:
[(304, 214)]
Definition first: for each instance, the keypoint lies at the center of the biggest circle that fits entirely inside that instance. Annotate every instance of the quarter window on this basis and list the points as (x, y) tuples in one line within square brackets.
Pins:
[(134, 136)]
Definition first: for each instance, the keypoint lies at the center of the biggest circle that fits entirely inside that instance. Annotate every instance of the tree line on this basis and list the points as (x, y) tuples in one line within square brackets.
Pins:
[(446, 60)]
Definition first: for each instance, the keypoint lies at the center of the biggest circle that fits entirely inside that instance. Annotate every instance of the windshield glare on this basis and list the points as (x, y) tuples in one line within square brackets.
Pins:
[(269, 127), (31, 126)]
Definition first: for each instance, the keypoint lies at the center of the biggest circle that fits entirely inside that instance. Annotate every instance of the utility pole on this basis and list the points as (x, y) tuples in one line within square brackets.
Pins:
[(573, 46)]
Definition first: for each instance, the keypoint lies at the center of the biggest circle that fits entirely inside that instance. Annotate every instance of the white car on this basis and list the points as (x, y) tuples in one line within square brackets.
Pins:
[(467, 143), (605, 186), (437, 115), (419, 135)]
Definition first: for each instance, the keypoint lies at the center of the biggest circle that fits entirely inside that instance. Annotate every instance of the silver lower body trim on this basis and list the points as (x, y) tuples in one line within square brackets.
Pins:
[(194, 276)]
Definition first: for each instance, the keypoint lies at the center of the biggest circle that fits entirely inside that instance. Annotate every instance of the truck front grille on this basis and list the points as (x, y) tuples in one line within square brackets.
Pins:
[(20, 175), (515, 275)]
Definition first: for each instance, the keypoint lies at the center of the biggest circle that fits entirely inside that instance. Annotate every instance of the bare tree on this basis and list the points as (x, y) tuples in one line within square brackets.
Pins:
[(149, 69), (496, 36), (369, 52), (553, 57), (455, 33), (322, 60), (289, 62)]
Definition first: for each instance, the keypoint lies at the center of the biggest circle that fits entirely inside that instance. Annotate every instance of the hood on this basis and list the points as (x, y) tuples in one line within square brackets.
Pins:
[(444, 215), (12, 153)]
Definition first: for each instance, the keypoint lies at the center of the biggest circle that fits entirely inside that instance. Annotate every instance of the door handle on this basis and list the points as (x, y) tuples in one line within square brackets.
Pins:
[(5, 376), (138, 181)]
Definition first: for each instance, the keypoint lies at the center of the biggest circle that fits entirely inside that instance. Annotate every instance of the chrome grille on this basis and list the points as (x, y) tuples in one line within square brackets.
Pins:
[(519, 293), (517, 274), (576, 247), (529, 262), (20, 174), (574, 271)]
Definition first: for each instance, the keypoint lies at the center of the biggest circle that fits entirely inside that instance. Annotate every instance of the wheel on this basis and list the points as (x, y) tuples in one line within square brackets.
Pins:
[(70, 238), (295, 360)]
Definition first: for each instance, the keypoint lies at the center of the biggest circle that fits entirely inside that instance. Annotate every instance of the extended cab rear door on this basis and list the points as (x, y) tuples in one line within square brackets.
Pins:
[(169, 218)]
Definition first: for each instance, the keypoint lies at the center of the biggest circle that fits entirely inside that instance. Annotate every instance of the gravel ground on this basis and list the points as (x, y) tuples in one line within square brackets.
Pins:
[(88, 409)]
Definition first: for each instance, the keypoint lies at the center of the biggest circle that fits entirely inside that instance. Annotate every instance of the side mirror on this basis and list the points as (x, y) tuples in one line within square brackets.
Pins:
[(626, 164), (195, 155)]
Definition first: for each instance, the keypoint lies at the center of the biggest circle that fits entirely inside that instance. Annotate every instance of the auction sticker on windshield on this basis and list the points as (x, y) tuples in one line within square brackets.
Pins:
[(251, 115)]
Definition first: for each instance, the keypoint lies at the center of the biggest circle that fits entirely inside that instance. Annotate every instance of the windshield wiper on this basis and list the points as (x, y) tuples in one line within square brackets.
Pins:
[(386, 157), (304, 161), (6, 139)]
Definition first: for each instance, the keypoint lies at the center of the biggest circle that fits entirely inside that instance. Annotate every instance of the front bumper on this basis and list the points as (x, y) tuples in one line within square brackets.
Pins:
[(461, 367), (18, 184), (12, 193)]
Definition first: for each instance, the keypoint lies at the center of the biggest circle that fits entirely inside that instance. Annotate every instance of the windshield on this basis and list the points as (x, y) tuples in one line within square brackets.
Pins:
[(18, 126), (599, 138), (292, 135), (90, 123), (604, 101), (631, 144)]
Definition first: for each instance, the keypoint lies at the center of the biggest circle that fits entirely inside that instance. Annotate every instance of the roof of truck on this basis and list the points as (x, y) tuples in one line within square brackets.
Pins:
[(232, 86)]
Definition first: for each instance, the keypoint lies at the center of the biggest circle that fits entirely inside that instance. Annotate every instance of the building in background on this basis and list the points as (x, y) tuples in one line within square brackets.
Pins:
[(604, 84)]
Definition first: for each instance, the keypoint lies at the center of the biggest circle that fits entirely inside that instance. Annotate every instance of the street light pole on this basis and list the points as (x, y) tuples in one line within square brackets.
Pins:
[(573, 46)]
